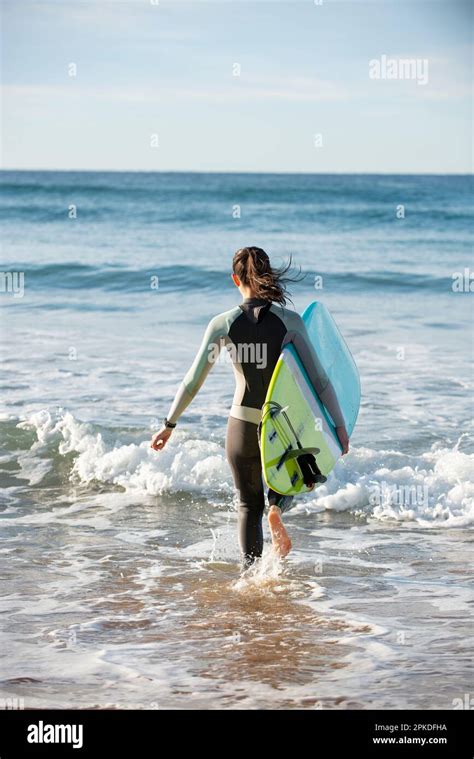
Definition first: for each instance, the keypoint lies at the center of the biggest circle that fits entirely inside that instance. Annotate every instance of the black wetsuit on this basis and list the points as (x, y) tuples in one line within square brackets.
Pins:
[(254, 334)]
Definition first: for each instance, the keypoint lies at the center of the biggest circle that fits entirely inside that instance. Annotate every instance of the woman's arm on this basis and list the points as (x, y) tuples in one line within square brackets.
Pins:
[(298, 335), (205, 359)]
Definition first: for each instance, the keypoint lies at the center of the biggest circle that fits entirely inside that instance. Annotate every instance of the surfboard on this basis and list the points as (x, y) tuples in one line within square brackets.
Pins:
[(294, 420)]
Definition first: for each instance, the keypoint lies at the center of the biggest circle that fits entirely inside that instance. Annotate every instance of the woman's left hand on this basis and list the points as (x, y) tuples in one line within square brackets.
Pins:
[(341, 432), (159, 440)]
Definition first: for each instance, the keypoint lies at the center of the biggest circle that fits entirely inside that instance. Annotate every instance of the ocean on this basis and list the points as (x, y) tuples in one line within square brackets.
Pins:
[(120, 565)]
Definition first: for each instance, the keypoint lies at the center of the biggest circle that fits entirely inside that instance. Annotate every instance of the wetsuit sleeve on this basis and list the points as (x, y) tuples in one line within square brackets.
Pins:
[(298, 335), (205, 359)]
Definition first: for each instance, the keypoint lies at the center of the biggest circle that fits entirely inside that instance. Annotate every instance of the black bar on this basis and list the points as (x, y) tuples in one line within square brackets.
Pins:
[(315, 732)]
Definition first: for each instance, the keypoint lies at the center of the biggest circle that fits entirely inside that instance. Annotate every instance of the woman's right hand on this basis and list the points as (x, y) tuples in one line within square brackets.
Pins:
[(341, 433), (160, 439)]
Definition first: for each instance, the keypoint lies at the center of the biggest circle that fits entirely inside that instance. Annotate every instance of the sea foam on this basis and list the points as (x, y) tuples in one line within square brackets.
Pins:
[(434, 488)]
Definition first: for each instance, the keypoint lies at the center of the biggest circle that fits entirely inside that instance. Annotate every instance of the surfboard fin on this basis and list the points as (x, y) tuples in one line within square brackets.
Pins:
[(309, 469), (306, 461)]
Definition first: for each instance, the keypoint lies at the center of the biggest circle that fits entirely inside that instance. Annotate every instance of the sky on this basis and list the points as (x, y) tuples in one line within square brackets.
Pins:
[(237, 85)]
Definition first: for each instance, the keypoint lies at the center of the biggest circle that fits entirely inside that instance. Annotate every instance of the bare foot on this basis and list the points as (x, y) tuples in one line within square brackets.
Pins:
[(280, 539)]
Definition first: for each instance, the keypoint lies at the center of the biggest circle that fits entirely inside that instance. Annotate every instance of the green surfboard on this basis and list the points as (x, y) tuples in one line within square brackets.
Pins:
[(293, 418)]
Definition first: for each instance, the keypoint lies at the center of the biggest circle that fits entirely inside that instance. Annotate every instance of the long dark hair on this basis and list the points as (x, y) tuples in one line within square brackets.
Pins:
[(252, 266)]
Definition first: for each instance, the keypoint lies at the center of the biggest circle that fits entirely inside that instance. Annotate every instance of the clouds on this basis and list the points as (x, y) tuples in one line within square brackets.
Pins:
[(302, 69)]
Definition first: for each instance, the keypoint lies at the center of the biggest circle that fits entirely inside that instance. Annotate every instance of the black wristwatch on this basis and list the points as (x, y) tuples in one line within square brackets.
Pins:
[(168, 424)]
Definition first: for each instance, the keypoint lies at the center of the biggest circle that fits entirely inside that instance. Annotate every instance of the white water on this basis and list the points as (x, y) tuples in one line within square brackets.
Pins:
[(435, 488)]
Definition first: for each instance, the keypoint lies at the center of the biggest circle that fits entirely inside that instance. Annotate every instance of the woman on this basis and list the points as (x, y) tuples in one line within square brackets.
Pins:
[(254, 333)]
